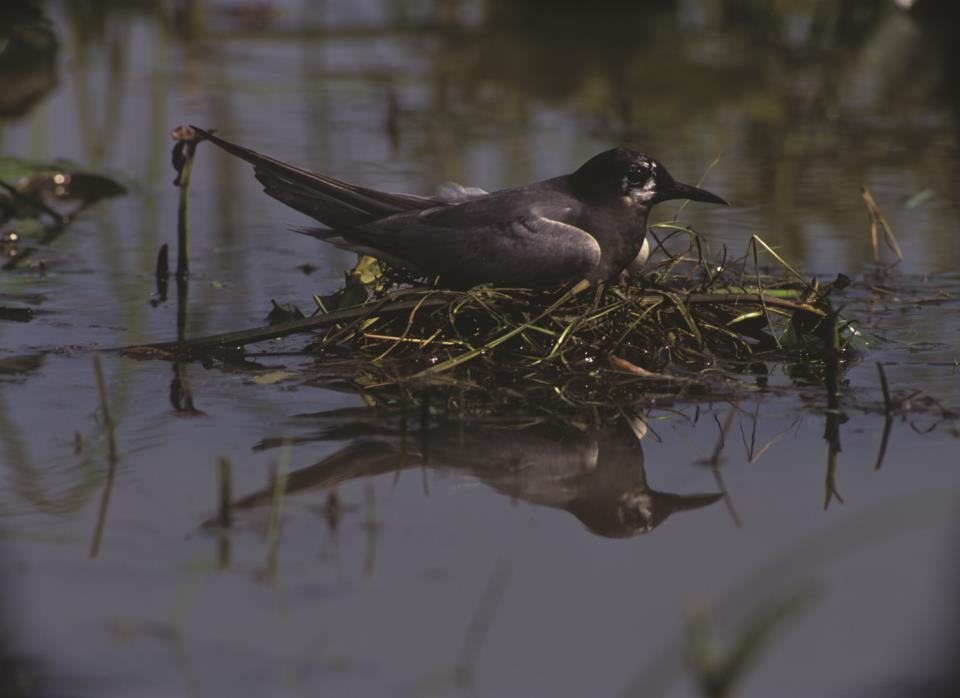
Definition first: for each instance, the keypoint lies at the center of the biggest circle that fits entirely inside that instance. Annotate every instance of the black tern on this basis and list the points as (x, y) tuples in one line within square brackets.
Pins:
[(599, 476), (590, 224)]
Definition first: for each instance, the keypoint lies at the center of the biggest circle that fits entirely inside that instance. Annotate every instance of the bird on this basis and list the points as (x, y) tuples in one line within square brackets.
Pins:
[(597, 474), (588, 225)]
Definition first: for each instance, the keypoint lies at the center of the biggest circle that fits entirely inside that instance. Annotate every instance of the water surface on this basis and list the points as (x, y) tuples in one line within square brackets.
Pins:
[(445, 572)]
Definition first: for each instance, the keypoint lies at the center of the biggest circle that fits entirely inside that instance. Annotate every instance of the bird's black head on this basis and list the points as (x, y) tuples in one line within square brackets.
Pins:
[(625, 173)]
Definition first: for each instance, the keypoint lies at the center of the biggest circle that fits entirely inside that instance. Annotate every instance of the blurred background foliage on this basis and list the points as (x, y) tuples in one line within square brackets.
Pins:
[(804, 99)]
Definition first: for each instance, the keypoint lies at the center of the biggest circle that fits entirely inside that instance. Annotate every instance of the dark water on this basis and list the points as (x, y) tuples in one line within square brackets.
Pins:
[(457, 572)]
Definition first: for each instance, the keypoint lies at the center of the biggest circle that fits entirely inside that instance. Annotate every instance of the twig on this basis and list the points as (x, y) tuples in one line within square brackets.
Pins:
[(832, 436), (391, 305), (757, 240), (225, 493), (702, 179), (878, 219), (571, 328), (278, 486), (887, 400), (473, 353), (718, 447), (685, 314), (403, 337), (884, 440), (766, 312), (181, 394), (714, 463), (111, 458), (183, 153), (888, 421), (283, 329), (162, 272), (481, 621), (755, 454), (831, 360), (372, 527), (105, 410)]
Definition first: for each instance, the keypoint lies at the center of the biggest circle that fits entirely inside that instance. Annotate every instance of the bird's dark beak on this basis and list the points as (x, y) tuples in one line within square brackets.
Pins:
[(685, 191)]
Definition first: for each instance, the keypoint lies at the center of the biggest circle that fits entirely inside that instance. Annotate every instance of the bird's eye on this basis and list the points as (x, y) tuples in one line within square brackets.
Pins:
[(638, 175)]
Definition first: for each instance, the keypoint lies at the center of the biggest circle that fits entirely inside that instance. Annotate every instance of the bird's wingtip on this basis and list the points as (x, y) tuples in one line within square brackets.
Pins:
[(202, 133), (313, 231)]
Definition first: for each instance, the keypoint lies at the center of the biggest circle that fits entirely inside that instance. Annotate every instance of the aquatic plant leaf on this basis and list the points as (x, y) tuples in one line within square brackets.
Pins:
[(747, 316), (70, 185), (23, 363), (58, 180), (13, 168), (920, 198), (856, 340), (16, 314), (283, 313), (273, 377), (367, 271), (719, 673), (25, 229)]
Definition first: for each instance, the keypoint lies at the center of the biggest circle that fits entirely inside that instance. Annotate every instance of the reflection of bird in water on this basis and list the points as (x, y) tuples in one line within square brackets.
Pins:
[(599, 477)]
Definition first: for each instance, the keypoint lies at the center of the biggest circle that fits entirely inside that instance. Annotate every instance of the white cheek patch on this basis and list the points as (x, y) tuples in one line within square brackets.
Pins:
[(635, 505), (638, 196), (648, 191)]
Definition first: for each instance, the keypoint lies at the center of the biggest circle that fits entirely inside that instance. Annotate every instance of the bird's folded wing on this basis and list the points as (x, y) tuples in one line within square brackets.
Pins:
[(329, 200), (526, 251)]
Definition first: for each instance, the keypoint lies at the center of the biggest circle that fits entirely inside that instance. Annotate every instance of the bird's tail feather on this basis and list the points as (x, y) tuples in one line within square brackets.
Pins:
[(329, 200)]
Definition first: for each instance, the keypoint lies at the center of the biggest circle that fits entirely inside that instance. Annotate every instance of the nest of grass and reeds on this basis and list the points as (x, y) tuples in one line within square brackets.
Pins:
[(689, 327)]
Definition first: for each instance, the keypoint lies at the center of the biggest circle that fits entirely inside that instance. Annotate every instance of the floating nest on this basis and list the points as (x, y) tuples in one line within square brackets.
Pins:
[(688, 328)]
